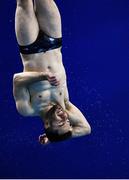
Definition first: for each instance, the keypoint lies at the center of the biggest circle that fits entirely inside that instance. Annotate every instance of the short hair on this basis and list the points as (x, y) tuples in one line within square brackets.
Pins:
[(54, 136)]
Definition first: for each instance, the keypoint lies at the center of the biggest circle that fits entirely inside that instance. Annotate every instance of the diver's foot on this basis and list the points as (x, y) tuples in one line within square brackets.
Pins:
[(43, 139)]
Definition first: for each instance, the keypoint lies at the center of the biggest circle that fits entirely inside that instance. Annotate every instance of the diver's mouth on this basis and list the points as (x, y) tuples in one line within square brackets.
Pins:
[(61, 125)]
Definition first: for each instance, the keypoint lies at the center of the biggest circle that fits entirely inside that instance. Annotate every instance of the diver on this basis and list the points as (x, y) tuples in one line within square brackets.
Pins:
[(41, 89)]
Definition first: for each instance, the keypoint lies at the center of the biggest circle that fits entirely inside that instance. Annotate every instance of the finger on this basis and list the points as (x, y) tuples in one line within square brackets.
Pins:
[(55, 84), (54, 81), (43, 139), (52, 77)]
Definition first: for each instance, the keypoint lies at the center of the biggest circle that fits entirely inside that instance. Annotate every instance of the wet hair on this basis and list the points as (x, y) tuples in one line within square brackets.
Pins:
[(54, 136)]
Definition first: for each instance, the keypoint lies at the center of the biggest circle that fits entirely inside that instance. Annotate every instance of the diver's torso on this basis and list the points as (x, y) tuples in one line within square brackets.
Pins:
[(42, 93), (42, 62)]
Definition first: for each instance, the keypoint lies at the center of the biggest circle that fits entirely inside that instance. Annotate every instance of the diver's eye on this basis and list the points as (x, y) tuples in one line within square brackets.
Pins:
[(59, 109)]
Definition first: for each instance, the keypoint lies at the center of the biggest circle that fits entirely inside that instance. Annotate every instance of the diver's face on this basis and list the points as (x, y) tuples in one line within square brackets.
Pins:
[(60, 115), (60, 120)]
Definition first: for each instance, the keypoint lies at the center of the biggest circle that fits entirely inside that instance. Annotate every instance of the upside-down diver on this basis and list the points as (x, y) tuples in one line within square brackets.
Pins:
[(41, 89)]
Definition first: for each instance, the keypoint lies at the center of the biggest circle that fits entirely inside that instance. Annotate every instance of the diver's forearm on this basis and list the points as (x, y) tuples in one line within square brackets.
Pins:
[(27, 78)]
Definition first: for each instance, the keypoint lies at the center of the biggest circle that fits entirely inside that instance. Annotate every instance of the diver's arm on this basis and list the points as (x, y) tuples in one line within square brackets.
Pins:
[(22, 99), (24, 108), (27, 78), (80, 126)]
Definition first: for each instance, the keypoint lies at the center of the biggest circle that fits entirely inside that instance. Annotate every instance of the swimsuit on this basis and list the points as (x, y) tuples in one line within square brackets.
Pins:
[(43, 43)]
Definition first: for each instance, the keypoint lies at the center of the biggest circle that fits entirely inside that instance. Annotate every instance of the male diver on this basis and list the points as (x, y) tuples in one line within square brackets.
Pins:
[(41, 89)]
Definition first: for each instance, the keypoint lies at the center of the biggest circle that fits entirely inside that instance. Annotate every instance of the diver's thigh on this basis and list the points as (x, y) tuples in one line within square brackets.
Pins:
[(48, 17), (26, 25)]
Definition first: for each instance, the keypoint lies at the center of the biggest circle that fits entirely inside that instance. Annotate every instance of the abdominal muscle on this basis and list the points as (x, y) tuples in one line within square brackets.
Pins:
[(41, 62)]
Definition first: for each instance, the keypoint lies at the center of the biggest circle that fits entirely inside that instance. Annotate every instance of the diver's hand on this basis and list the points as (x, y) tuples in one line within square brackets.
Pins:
[(43, 139), (52, 79)]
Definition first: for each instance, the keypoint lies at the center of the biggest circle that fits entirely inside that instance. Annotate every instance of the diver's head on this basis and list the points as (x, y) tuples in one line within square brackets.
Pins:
[(57, 125)]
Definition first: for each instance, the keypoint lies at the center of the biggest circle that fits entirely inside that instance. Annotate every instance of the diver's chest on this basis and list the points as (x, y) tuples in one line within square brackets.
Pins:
[(54, 94)]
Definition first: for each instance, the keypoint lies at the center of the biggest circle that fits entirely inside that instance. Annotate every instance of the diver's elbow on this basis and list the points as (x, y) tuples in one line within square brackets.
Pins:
[(22, 113), (81, 131), (87, 130)]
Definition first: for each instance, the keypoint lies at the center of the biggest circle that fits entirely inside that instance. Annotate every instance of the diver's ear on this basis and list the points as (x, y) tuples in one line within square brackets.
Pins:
[(46, 124)]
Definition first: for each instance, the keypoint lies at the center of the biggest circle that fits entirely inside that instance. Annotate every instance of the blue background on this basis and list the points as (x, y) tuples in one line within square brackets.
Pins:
[(95, 53)]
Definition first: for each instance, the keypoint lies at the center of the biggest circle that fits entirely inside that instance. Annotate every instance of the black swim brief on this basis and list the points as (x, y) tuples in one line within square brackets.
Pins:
[(43, 43)]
